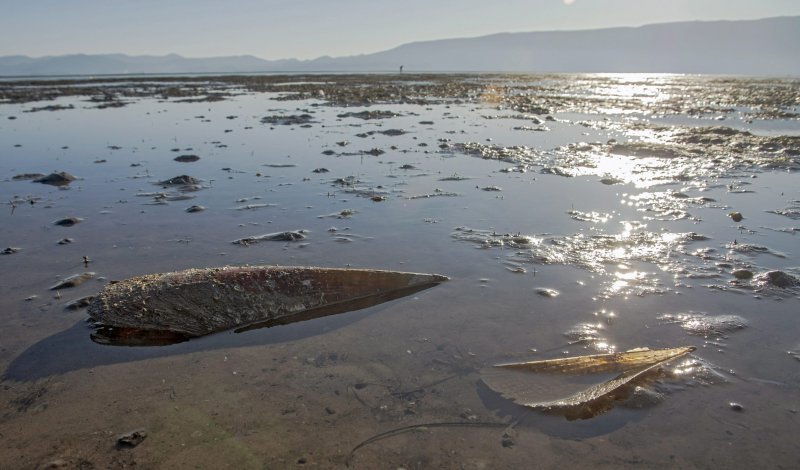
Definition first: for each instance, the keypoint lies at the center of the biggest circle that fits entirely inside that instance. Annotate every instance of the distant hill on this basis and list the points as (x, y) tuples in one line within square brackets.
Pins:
[(755, 47), (111, 64)]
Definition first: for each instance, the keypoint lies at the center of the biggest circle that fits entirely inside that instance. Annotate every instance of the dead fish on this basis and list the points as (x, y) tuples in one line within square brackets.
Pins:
[(289, 236), (198, 302), (73, 281), (548, 391)]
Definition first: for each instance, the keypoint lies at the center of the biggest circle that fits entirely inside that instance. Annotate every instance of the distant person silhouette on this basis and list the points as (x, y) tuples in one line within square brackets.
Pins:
[(401, 69)]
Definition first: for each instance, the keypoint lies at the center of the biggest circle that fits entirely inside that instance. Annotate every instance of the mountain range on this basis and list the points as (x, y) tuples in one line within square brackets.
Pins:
[(749, 47)]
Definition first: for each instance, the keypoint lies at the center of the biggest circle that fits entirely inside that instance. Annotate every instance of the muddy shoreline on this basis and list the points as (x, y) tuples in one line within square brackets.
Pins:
[(573, 214)]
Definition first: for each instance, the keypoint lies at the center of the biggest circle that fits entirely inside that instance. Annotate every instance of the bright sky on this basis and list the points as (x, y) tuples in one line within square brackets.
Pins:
[(305, 29)]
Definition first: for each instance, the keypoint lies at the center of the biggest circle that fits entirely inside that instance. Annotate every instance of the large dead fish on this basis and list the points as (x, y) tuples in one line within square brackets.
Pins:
[(561, 386), (180, 305)]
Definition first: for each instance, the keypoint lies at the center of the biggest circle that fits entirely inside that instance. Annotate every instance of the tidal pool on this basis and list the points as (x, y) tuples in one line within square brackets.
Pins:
[(573, 214)]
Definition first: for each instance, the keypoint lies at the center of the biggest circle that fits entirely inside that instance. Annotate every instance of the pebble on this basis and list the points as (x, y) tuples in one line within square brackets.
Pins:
[(179, 180), (778, 279), (186, 158), (78, 304), (56, 179), (742, 274), (57, 463), (195, 209), (547, 292), (131, 439), (68, 221), (736, 406), (73, 281), (736, 216)]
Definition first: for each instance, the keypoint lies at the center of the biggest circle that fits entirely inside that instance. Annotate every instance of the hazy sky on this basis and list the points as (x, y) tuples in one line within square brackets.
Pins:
[(274, 29)]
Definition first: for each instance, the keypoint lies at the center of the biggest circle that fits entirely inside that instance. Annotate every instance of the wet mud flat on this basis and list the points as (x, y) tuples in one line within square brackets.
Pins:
[(574, 215)]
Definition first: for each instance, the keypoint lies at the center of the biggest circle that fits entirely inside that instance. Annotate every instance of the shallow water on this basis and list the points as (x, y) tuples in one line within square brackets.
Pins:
[(631, 239)]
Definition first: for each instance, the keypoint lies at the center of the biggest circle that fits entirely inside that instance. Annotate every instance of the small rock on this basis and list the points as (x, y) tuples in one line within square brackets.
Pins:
[(742, 274), (288, 236), (73, 281), (736, 216), (321, 170), (65, 241), (778, 279), (68, 221), (10, 250), (53, 464), (131, 439), (736, 406), (27, 176), (547, 292), (186, 158), (78, 304), (507, 441), (61, 178), (182, 180), (195, 209)]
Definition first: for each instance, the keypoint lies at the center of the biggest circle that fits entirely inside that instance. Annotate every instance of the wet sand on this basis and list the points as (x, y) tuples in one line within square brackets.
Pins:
[(613, 192)]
